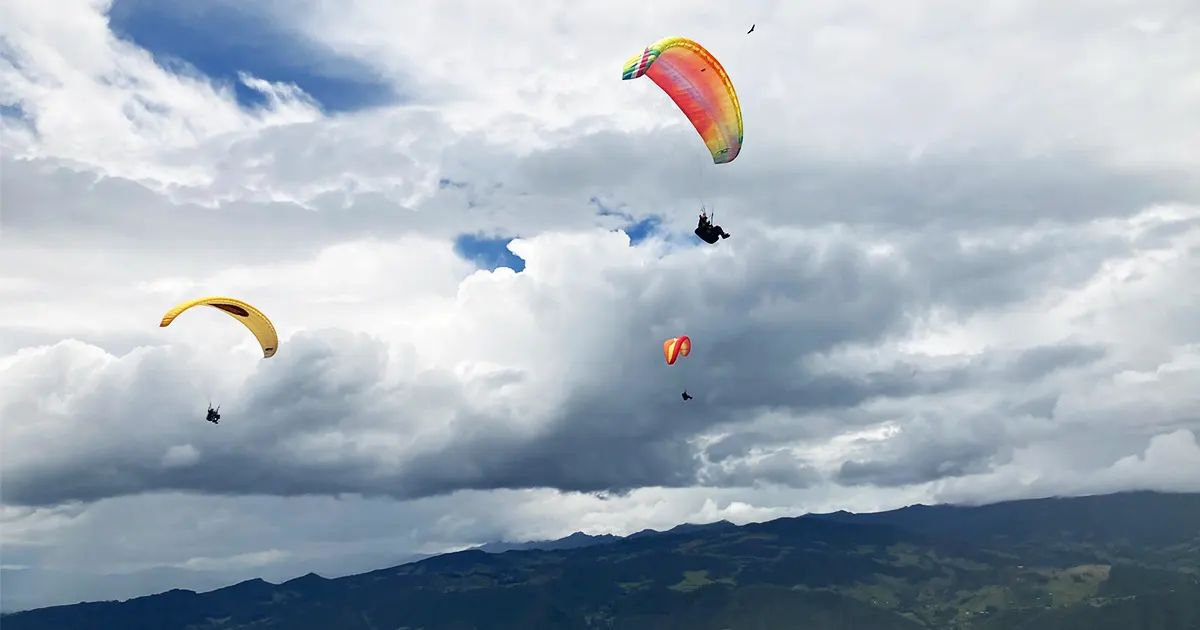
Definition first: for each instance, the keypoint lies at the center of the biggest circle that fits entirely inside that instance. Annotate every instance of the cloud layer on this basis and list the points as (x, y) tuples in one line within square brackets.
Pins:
[(962, 269)]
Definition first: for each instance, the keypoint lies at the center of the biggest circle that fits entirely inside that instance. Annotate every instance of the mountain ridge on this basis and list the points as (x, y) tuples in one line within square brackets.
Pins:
[(954, 567)]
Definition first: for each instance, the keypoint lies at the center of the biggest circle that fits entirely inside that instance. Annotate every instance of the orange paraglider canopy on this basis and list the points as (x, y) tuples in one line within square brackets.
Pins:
[(676, 347)]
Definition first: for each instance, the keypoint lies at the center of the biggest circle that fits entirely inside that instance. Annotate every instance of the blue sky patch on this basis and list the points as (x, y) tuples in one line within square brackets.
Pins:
[(638, 231), (16, 113), (488, 253), (643, 229), (13, 111), (220, 39)]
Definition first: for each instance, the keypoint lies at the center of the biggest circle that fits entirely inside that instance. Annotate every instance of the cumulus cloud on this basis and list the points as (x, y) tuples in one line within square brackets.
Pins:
[(958, 272)]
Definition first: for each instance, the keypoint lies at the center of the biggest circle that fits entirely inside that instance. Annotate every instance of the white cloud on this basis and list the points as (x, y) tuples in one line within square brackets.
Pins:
[(103, 103), (180, 455), (958, 272)]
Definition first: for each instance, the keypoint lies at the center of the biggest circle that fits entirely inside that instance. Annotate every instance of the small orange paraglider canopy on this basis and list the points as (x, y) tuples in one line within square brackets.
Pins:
[(676, 347)]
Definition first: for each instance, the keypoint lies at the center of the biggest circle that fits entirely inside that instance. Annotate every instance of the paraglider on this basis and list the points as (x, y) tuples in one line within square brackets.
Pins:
[(708, 232), (674, 348), (698, 84), (250, 317), (703, 91)]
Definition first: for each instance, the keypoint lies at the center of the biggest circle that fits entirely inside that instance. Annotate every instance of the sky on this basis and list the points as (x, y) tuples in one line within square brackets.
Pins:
[(961, 270)]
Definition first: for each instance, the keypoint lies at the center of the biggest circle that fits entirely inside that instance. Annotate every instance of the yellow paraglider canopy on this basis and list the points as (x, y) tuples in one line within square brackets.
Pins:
[(250, 317)]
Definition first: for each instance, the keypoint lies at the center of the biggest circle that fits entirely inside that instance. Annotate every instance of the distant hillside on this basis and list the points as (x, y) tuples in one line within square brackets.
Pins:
[(574, 541), (1102, 518), (579, 539), (32, 588), (1129, 527), (1052, 564)]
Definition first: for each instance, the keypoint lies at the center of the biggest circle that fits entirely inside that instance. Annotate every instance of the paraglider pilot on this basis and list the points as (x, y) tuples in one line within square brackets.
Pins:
[(686, 397), (213, 416), (708, 232)]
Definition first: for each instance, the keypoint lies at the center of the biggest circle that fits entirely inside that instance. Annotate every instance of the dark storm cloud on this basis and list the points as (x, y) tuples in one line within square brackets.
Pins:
[(999, 271), (999, 367), (739, 444), (1039, 406), (299, 430), (953, 460), (1036, 363), (934, 447), (778, 468), (323, 381), (625, 429), (622, 428)]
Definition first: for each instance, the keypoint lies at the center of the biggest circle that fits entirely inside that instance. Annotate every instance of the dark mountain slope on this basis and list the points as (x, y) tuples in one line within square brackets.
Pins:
[(902, 570), (1133, 527)]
